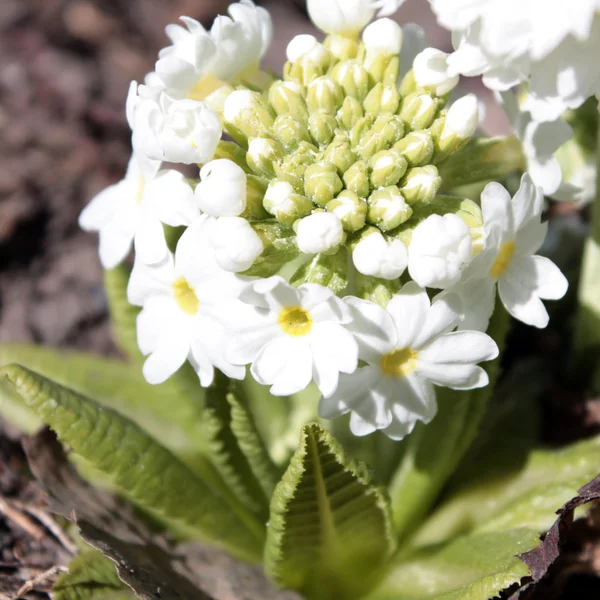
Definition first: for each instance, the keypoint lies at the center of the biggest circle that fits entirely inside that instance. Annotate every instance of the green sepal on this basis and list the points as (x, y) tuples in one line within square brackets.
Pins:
[(149, 473), (279, 242), (329, 534), (329, 270)]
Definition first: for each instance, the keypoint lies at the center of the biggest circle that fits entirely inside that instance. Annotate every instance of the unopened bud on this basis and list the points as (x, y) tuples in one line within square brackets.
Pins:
[(307, 59), (430, 69), (416, 147), (350, 113), (340, 154), (256, 188), (286, 101), (360, 129), (236, 244), (343, 47), (420, 184), (324, 96), (461, 123), (340, 16), (350, 210), (353, 78), (387, 168), (408, 85), (319, 232), (262, 153), (418, 111), (322, 128), (285, 203), (247, 115), (279, 243), (328, 270), (296, 163), (382, 99), (322, 182), (222, 189), (383, 41), (356, 179), (377, 257), (290, 132), (388, 209), (384, 133)]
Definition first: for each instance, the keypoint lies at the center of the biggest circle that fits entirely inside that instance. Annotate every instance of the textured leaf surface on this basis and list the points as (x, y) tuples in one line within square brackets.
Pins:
[(329, 531), (147, 471), (91, 576), (236, 448), (475, 567)]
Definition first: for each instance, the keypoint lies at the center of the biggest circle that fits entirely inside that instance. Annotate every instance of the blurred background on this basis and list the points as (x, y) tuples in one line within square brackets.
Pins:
[(65, 66)]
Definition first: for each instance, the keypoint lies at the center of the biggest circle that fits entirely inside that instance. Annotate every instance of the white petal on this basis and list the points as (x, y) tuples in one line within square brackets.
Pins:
[(526, 203), (455, 376), (115, 245), (147, 280), (155, 317), (102, 207), (478, 297), (497, 209), (408, 308), (359, 426), (460, 347), (442, 317), (171, 353), (273, 293), (551, 284), (246, 345), (530, 237), (150, 243), (413, 394), (351, 391)]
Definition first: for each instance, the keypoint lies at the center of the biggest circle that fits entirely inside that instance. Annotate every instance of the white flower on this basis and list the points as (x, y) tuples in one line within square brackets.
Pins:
[(307, 47), (341, 16), (377, 257), (439, 250), (319, 232), (135, 209), (431, 72), (180, 298), (386, 7), (236, 244), (514, 232), (297, 335), (383, 35), (408, 349), (222, 189), (550, 45), (199, 62), (540, 141), (178, 131)]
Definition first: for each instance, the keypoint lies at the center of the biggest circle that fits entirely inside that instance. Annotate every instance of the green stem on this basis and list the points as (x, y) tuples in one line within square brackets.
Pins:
[(434, 450), (483, 159), (587, 332)]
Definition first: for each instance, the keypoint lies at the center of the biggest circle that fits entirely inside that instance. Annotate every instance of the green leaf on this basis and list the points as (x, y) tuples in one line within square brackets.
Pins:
[(433, 451), (236, 448), (91, 576), (147, 471), (475, 567), (329, 533)]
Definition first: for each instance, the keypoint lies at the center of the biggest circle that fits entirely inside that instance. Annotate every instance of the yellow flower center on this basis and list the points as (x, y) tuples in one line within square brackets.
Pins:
[(503, 259), (141, 189), (399, 363), (295, 321), (204, 87), (186, 296)]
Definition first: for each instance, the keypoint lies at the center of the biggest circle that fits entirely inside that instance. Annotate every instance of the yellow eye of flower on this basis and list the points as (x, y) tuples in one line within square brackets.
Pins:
[(399, 363), (503, 259), (295, 321), (186, 296)]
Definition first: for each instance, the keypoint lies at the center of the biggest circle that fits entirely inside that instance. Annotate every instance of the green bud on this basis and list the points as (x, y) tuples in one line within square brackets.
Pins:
[(233, 152), (362, 126), (322, 128), (255, 193), (388, 209), (416, 147), (296, 163), (283, 201), (380, 291), (324, 96), (420, 184), (302, 72), (418, 111), (353, 78), (341, 46), (262, 153), (350, 113), (340, 154), (356, 179), (408, 85), (385, 132), (322, 182), (462, 119), (247, 115), (382, 100), (328, 270), (290, 132), (279, 248), (350, 209), (387, 168), (286, 98)]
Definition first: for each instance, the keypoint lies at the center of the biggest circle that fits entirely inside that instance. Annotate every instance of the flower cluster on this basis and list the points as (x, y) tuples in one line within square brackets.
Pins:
[(316, 245)]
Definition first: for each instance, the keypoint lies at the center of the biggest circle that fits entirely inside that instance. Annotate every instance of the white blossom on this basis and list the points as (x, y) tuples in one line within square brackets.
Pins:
[(319, 232), (134, 210), (439, 250), (383, 35), (551, 45), (514, 233), (408, 349), (199, 62), (377, 257), (296, 336), (236, 244), (431, 72), (341, 16), (178, 131), (222, 189), (306, 47), (181, 299)]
